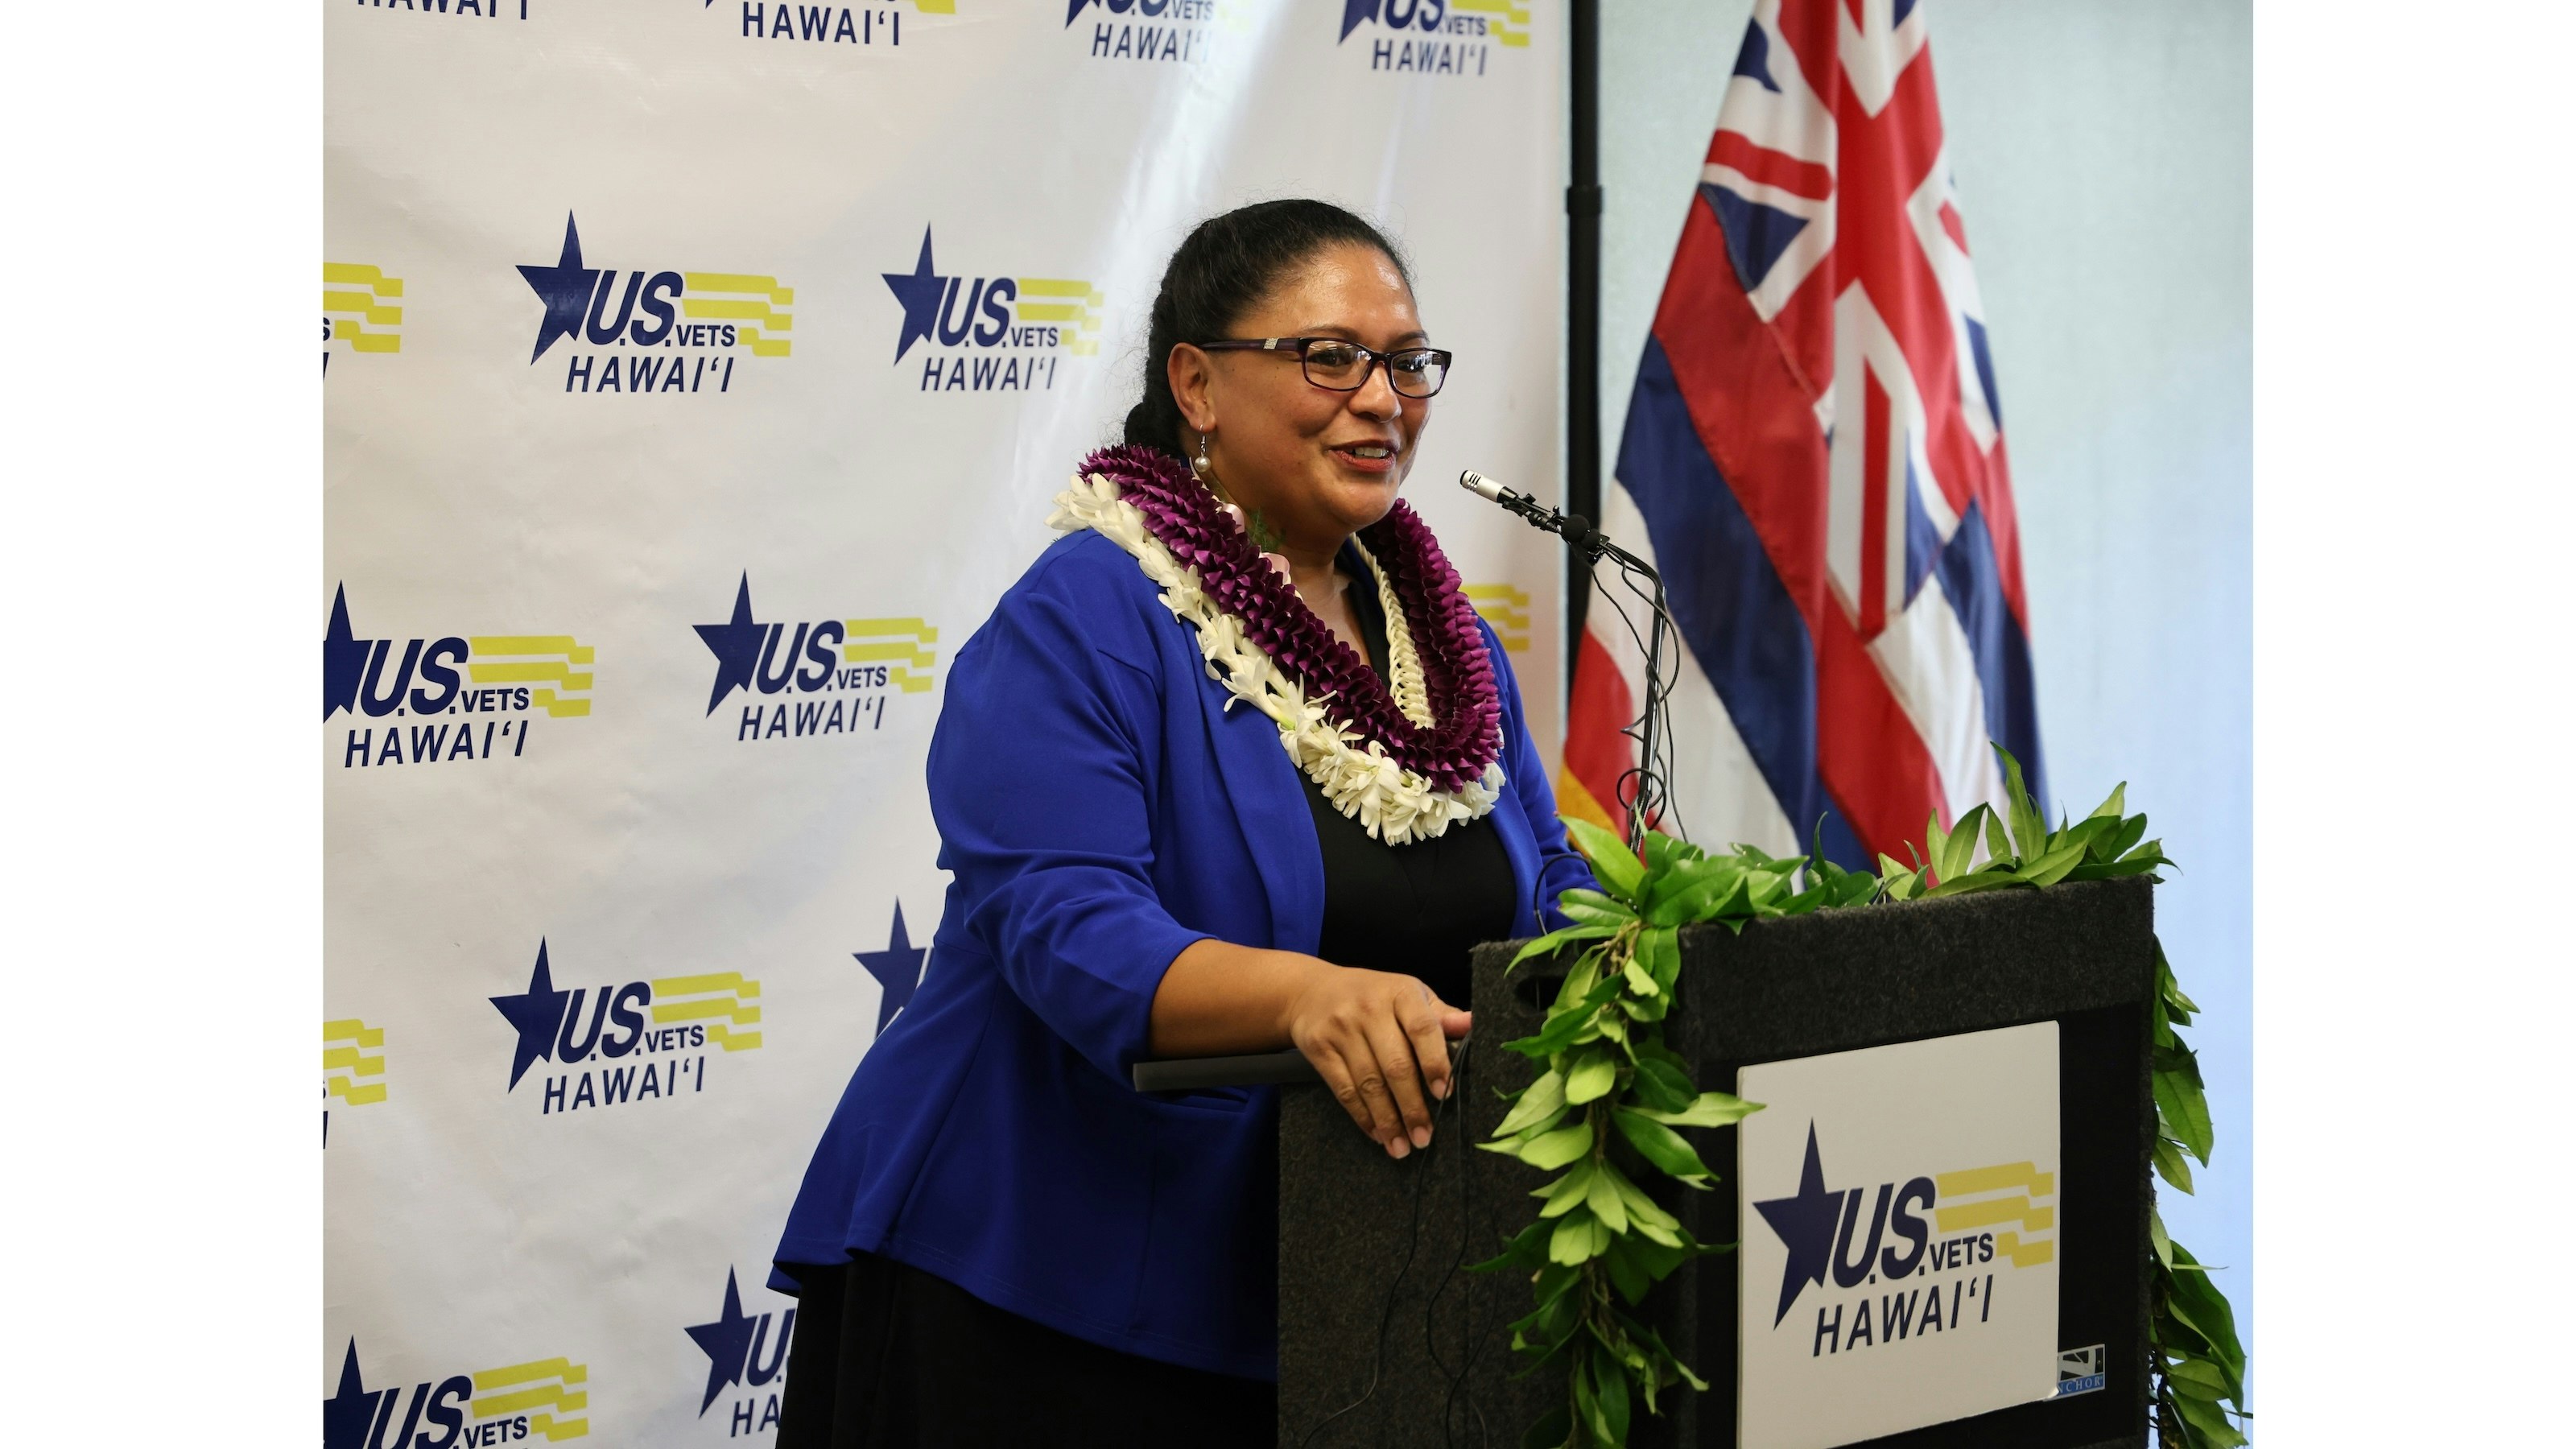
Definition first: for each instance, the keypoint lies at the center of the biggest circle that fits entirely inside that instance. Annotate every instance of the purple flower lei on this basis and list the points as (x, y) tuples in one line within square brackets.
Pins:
[(1465, 736)]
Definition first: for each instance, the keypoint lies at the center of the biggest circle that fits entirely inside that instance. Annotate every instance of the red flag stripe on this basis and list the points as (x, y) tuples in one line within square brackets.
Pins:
[(1771, 168)]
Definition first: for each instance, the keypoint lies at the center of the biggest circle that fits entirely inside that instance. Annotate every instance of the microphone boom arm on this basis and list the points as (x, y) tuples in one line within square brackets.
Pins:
[(1592, 546)]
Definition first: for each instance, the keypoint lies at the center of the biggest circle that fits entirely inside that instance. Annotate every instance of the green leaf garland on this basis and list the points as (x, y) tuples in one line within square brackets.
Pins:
[(1611, 1102)]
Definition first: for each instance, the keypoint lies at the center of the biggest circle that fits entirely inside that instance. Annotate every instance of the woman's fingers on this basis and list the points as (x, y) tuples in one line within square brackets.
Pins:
[(1430, 1047), (1394, 1051), (1339, 1080), (1381, 1044)]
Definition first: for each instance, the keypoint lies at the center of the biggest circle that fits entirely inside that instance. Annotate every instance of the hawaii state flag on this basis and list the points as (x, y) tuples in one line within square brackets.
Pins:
[(1814, 458)]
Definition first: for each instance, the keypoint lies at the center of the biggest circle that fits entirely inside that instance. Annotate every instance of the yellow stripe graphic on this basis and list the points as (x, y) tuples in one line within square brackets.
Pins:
[(528, 1373), (2024, 1255), (345, 1059), (548, 671), (1503, 14), (704, 1009), (551, 1396), (737, 282), (362, 304), (926, 633), (535, 659), (563, 644), (881, 653), (719, 1000), (545, 1384), (908, 682), (2023, 1175), (727, 309), (361, 340), (352, 311), (733, 981), (1992, 1211), (358, 274), (751, 301), (1075, 304)]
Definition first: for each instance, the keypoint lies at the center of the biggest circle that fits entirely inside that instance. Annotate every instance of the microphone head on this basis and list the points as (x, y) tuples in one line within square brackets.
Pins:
[(1577, 530), (1482, 486)]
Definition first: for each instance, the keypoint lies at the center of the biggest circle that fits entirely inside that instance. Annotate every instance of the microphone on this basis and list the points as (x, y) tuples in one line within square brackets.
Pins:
[(1574, 528), (1648, 798)]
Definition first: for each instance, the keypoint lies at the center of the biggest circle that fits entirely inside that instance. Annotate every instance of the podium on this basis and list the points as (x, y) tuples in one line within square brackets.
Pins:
[(1910, 1047)]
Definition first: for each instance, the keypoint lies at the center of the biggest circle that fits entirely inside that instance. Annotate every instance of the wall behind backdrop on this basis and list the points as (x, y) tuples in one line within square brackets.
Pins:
[(698, 372), (2105, 153)]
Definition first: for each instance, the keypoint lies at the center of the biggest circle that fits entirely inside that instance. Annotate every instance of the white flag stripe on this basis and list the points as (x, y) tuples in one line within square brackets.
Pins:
[(1718, 792), (1924, 654)]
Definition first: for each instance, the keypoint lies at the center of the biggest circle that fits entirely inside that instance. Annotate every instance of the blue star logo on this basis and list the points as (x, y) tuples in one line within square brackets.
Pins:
[(1353, 12), (919, 291), (727, 1342), (565, 288), (538, 1014), (1804, 1223), (344, 660), (897, 968), (736, 644), (348, 1414)]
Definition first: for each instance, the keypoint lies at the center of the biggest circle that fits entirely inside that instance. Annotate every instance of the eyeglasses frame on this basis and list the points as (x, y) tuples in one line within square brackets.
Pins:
[(1298, 345)]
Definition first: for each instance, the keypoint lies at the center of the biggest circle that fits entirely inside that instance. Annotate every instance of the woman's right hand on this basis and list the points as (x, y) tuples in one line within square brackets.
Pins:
[(1381, 1043), (1379, 1040)]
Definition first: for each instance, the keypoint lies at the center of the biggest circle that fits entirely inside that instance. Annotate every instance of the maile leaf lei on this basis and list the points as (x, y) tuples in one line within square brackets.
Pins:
[(1611, 1103)]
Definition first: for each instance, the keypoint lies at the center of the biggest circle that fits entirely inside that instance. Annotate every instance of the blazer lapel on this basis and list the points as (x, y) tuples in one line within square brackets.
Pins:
[(1270, 809)]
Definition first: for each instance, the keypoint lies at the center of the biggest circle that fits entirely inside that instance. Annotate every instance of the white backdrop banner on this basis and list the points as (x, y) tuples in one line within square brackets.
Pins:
[(698, 373)]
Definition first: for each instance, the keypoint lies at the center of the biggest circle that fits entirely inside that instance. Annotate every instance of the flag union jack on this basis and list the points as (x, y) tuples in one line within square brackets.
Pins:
[(1814, 456)]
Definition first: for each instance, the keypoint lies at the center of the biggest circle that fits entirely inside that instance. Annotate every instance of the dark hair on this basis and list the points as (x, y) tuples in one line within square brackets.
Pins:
[(1226, 265)]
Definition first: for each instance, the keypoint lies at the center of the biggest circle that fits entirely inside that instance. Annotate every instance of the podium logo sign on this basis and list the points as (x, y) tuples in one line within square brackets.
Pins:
[(1900, 1237)]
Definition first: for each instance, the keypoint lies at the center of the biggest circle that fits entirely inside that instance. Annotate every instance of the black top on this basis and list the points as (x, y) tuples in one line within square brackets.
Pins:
[(1416, 908)]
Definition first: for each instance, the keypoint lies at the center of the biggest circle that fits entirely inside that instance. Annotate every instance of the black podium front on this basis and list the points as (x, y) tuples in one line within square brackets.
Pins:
[(1386, 1339)]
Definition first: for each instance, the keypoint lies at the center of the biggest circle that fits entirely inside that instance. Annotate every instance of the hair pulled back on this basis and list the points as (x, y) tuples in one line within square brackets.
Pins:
[(1227, 265)]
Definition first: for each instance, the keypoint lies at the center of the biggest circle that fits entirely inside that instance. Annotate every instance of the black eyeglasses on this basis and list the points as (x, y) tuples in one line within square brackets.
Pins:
[(1343, 366)]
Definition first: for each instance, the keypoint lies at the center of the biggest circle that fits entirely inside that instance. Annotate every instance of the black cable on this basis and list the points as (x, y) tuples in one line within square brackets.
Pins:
[(1475, 1338), (1412, 1241)]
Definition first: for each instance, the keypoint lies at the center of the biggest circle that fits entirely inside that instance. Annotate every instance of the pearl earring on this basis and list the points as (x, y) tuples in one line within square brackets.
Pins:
[(1199, 465)]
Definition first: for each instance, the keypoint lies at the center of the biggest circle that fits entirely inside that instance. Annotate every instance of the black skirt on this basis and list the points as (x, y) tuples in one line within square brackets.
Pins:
[(886, 1356)]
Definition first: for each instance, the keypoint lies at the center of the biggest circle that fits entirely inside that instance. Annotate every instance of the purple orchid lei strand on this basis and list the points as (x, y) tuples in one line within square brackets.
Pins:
[(1465, 736)]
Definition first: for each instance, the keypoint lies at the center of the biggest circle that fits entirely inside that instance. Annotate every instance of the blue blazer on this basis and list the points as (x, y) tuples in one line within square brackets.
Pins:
[(1100, 810)]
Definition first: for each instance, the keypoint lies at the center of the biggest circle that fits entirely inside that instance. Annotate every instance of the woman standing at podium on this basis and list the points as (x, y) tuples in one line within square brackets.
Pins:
[(1233, 767)]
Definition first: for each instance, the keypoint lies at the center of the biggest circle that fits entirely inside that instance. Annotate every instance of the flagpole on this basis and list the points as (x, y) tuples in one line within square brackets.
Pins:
[(1582, 301)]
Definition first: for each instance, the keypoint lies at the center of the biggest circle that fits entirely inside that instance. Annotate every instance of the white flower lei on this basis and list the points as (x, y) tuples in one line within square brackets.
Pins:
[(1394, 804)]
